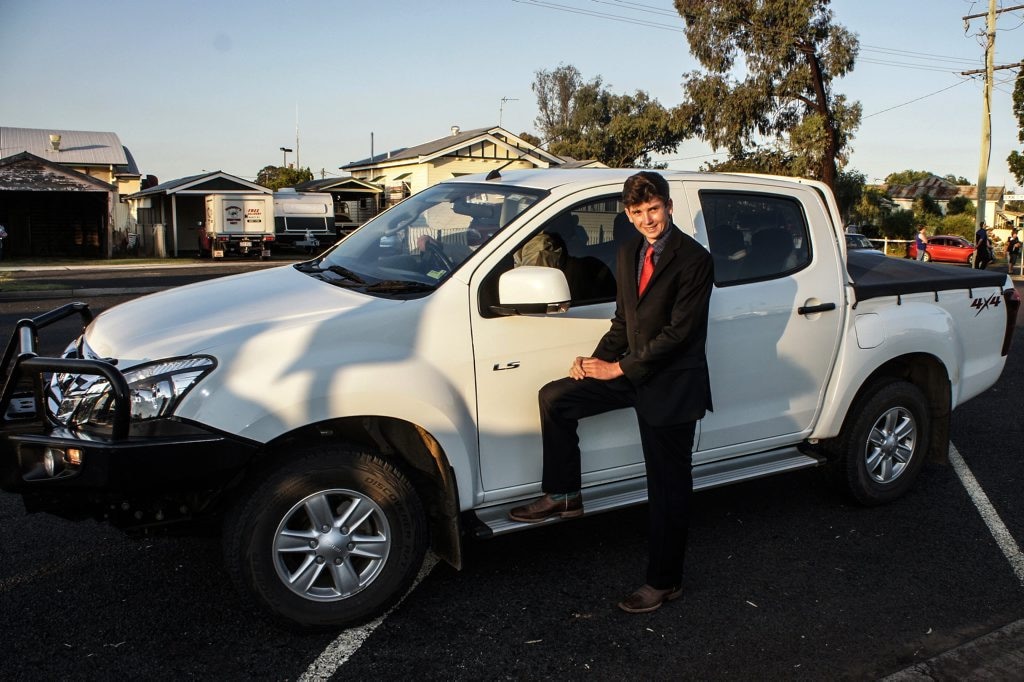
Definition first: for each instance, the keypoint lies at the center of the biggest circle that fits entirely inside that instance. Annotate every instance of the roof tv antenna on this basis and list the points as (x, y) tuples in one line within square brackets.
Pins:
[(501, 108)]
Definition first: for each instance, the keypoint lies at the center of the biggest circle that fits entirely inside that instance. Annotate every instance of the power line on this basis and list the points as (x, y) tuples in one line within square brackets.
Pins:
[(904, 65), (650, 9), (916, 99), (600, 15), (885, 51)]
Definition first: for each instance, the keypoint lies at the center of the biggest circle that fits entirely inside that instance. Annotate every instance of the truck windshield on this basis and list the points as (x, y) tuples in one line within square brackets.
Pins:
[(420, 242)]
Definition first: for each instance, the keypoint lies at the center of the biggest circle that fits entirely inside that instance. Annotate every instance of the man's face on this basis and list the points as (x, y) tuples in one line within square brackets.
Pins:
[(650, 218)]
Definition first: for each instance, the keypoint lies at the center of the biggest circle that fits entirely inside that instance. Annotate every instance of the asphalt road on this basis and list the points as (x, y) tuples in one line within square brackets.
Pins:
[(785, 580)]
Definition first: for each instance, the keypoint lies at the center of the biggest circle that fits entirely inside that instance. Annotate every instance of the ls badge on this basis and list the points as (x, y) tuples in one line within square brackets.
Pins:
[(508, 365)]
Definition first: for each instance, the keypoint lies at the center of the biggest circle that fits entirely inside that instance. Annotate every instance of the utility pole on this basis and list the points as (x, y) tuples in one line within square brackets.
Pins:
[(986, 114)]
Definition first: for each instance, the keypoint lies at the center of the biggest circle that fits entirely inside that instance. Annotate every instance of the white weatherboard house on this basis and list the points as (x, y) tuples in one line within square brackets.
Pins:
[(405, 171)]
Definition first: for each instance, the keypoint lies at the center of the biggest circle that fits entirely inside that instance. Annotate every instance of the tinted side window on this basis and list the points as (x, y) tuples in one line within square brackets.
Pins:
[(754, 236), (581, 242)]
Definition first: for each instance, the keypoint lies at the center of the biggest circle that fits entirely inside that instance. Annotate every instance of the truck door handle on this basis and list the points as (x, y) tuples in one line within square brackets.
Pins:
[(820, 308)]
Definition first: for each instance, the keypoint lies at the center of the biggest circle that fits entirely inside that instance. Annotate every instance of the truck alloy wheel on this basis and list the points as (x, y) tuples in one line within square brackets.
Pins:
[(331, 544), (330, 538), (884, 442)]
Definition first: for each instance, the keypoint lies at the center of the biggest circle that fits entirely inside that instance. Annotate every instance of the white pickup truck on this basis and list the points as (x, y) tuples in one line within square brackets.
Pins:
[(341, 415)]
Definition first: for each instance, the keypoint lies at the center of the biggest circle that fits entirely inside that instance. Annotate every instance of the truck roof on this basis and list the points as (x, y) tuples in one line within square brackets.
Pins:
[(550, 178)]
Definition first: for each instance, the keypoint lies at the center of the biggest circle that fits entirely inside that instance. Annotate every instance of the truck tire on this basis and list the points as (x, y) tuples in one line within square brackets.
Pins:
[(884, 442), (331, 538)]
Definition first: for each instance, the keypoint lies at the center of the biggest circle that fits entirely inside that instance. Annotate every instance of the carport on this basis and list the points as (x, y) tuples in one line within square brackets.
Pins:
[(180, 206), (50, 210), (355, 201)]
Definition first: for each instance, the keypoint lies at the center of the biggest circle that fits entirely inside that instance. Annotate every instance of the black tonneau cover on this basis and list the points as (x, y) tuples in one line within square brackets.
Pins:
[(875, 275)]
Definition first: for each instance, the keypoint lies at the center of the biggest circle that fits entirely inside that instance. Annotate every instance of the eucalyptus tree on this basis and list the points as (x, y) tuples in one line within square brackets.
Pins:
[(768, 71)]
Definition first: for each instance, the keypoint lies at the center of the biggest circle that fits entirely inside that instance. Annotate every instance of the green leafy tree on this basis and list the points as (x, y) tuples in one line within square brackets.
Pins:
[(925, 206), (530, 138), (869, 210), (961, 224), (586, 121), (276, 177), (768, 160), (906, 177), (789, 52), (899, 224), (956, 179), (556, 93), (960, 204), (849, 189), (1016, 160)]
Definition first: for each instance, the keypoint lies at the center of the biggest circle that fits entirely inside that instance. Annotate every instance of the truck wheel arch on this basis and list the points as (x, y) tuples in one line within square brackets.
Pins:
[(408, 444), (927, 373)]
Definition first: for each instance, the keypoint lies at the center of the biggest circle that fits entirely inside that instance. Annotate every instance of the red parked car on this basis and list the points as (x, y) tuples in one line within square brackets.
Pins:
[(946, 248)]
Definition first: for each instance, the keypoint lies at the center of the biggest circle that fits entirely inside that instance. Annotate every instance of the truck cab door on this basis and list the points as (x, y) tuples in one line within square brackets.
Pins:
[(516, 355), (776, 313)]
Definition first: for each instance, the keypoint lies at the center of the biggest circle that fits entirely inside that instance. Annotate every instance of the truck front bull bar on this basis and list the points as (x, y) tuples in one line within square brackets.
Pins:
[(21, 350)]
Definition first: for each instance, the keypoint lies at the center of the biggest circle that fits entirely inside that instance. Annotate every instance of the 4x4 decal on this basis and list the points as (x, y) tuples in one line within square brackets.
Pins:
[(983, 303)]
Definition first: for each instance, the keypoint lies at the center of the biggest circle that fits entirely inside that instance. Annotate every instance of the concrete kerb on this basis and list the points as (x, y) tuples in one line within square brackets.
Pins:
[(998, 655)]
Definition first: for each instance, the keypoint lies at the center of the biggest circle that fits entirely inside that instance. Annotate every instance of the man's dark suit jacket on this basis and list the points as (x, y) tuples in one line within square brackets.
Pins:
[(659, 340)]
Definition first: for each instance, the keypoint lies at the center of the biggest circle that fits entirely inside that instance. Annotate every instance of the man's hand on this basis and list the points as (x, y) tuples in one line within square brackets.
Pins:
[(595, 369)]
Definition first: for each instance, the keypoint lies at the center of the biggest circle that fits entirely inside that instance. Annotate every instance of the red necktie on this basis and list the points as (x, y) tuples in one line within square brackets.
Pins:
[(647, 270)]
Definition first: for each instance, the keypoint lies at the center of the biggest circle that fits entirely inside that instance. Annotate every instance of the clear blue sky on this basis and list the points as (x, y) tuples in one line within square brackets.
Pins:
[(192, 86)]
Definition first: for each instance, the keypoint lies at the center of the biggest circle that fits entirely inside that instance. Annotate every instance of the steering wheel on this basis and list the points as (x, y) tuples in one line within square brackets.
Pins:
[(433, 254)]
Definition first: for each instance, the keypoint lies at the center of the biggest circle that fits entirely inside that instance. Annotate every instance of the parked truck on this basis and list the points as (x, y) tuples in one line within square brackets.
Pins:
[(239, 224), (341, 415), (304, 220)]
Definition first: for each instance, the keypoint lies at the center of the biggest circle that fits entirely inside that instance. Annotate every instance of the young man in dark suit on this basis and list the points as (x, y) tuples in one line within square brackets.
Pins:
[(653, 359)]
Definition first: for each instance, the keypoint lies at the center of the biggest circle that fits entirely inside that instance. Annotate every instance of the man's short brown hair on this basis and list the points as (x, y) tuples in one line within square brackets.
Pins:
[(643, 187)]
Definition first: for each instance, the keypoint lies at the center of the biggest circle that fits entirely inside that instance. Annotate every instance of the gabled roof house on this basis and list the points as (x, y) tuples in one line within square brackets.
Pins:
[(942, 191), (407, 170)]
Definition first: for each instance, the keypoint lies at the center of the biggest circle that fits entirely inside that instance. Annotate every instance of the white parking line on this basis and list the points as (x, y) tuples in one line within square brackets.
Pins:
[(988, 514), (349, 641)]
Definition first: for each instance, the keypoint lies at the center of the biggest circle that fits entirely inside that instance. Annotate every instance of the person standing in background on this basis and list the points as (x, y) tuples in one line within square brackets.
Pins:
[(921, 242), (982, 248), (1012, 250)]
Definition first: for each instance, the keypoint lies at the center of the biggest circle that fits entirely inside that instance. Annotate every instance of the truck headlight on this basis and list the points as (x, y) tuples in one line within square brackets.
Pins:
[(154, 390)]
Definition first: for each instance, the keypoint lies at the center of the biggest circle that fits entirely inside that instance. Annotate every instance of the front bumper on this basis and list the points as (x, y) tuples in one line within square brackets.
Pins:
[(177, 473), (130, 473)]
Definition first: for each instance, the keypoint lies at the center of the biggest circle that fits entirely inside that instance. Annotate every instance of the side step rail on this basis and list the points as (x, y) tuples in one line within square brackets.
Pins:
[(493, 520)]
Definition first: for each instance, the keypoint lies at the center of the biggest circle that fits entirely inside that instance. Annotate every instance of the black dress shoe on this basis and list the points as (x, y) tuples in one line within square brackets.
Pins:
[(647, 599), (546, 507)]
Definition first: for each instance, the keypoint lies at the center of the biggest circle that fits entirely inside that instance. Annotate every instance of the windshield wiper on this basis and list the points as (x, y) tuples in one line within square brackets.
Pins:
[(346, 273), (308, 266), (399, 285)]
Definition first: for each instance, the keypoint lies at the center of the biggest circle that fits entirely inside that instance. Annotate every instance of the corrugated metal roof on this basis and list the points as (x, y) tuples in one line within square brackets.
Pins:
[(188, 183), (77, 147), (942, 190)]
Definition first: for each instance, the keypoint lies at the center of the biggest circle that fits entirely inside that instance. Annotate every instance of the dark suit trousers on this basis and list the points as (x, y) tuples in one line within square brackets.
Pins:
[(667, 454)]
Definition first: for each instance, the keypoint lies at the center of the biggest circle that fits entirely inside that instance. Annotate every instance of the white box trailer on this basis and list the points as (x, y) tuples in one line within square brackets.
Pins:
[(304, 220), (237, 223)]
